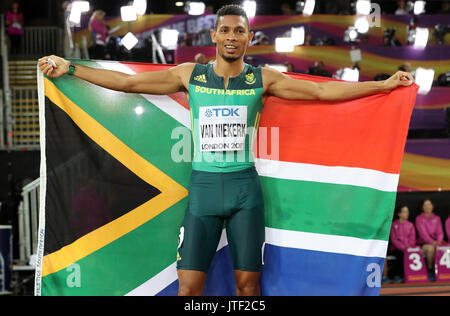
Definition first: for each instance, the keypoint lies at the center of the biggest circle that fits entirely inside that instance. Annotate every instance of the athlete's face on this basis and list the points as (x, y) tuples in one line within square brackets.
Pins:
[(232, 36)]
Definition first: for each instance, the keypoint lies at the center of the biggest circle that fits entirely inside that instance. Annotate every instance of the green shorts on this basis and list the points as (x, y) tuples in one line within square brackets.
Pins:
[(215, 199)]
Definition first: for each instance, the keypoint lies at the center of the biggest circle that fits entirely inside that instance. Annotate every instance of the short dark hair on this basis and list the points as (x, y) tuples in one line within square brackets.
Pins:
[(231, 9)]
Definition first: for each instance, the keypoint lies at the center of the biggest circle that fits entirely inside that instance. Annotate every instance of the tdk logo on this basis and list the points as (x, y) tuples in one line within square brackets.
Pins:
[(224, 112)]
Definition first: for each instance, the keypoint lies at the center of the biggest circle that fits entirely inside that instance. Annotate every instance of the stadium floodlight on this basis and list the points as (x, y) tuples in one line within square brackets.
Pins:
[(82, 6), (129, 41), (250, 8), (140, 6), (308, 9), (419, 7), (424, 79), (421, 37), (298, 35), (195, 8), (77, 8), (169, 38), (363, 7), (350, 74), (128, 13), (75, 16), (351, 34), (362, 24), (284, 45)]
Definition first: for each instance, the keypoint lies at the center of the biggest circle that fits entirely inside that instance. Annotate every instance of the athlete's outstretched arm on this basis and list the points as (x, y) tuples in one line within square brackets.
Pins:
[(155, 82), (281, 85)]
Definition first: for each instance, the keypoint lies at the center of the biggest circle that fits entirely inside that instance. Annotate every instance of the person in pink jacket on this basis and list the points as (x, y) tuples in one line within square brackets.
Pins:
[(403, 236), (99, 33), (447, 228), (430, 234), (14, 21), (403, 233)]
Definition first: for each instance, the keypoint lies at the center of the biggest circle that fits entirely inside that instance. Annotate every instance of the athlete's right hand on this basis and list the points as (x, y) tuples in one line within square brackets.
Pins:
[(62, 66)]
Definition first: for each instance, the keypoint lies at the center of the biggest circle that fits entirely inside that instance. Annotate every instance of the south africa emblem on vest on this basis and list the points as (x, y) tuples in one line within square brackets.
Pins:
[(250, 78)]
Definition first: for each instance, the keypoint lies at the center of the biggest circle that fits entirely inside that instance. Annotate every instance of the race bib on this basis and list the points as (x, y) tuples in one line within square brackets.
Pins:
[(222, 128)]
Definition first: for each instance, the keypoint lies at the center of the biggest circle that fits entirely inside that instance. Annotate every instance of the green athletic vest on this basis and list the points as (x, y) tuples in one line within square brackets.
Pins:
[(224, 122)]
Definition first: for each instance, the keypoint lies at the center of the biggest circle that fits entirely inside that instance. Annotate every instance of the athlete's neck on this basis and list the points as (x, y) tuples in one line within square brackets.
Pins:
[(227, 69)]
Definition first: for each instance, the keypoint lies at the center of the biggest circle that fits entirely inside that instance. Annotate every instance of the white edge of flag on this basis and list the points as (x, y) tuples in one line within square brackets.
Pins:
[(328, 174)]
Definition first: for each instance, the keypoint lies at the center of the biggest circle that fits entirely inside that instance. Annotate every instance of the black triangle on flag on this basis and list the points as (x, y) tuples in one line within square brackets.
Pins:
[(86, 186)]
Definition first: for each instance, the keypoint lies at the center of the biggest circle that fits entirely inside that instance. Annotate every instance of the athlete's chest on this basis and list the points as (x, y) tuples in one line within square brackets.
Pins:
[(207, 88)]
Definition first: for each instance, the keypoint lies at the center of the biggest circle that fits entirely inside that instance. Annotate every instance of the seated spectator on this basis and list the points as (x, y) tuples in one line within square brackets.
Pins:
[(308, 40), (318, 69), (401, 8), (430, 234), (251, 61), (289, 67), (405, 67), (324, 41), (381, 77), (202, 38), (403, 236), (187, 39), (447, 228), (389, 38), (260, 39), (411, 30), (201, 59), (286, 9)]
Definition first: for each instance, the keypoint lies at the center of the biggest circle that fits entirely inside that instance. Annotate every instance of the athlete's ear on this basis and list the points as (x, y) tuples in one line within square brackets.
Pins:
[(250, 37), (213, 36)]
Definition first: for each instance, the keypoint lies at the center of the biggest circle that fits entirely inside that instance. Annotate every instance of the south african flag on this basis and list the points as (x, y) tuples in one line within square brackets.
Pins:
[(113, 199)]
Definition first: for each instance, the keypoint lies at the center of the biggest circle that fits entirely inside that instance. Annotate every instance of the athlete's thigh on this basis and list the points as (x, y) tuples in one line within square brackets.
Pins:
[(246, 235), (202, 224), (245, 228), (199, 237)]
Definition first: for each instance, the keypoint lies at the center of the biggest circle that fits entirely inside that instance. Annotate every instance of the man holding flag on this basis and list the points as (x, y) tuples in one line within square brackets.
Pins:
[(226, 98)]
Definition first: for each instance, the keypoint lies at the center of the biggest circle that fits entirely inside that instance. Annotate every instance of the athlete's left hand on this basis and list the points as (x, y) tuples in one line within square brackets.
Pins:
[(400, 78)]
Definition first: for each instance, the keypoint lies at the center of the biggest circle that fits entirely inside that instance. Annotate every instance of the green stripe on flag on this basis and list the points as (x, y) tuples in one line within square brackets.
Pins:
[(109, 270), (325, 208)]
